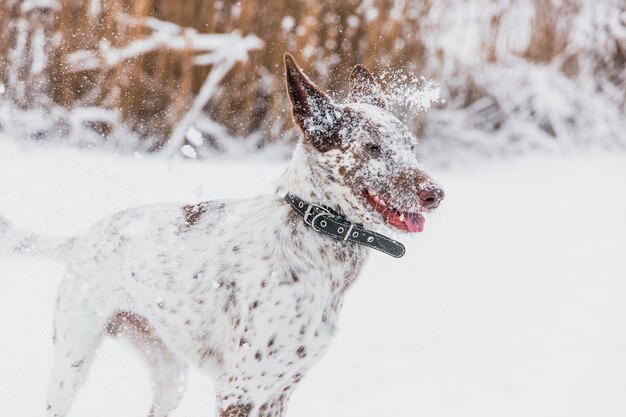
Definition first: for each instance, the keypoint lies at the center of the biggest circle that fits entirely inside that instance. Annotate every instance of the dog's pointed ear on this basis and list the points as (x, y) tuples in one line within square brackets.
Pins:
[(313, 111), (365, 89)]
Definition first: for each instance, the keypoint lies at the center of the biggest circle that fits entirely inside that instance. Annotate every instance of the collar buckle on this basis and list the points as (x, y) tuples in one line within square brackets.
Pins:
[(322, 211)]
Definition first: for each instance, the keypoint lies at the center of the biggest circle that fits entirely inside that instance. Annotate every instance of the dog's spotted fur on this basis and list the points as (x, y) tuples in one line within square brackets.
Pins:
[(243, 290)]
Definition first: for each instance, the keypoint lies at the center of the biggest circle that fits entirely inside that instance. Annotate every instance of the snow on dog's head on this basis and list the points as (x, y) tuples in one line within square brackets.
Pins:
[(363, 160)]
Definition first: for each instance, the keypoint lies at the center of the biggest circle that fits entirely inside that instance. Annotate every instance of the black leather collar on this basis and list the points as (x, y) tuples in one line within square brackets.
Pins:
[(326, 220)]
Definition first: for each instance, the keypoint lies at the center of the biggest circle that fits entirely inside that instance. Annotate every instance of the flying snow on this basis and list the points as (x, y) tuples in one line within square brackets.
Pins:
[(409, 92)]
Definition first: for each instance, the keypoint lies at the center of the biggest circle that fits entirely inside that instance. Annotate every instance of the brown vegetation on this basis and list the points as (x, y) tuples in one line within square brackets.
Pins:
[(154, 90)]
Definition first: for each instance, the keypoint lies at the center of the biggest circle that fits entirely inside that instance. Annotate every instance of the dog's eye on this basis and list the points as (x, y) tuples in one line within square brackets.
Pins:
[(373, 148)]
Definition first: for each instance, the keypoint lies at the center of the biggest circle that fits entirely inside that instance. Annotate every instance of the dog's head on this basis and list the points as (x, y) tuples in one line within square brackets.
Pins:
[(363, 158)]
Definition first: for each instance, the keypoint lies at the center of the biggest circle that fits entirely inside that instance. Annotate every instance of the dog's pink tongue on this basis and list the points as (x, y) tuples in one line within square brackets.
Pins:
[(414, 222)]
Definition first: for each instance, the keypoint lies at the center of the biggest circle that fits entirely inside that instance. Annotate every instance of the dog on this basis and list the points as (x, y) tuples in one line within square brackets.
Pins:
[(249, 291)]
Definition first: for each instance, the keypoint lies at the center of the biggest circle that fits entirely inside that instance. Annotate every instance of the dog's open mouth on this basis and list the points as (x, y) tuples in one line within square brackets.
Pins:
[(411, 222)]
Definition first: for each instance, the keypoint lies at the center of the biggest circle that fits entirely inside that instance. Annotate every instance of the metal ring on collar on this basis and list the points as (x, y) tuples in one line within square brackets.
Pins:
[(315, 218)]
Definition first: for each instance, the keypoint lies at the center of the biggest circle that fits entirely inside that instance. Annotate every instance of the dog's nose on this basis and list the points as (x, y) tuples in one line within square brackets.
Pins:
[(431, 197)]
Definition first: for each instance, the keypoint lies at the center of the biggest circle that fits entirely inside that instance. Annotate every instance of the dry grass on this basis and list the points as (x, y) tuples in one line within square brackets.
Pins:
[(549, 36), (154, 90), (328, 37), (5, 16)]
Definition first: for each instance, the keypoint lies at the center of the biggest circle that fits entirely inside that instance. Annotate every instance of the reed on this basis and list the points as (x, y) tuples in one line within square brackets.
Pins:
[(153, 91)]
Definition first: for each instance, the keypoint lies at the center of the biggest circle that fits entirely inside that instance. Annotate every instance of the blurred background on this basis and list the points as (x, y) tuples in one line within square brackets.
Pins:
[(206, 76)]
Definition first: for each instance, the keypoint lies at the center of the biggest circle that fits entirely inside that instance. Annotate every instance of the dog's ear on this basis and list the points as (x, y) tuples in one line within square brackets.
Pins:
[(365, 89), (313, 111)]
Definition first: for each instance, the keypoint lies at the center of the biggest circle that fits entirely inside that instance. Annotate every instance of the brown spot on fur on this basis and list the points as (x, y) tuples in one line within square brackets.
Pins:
[(231, 300), (326, 143), (123, 321), (301, 352), (258, 356), (77, 364), (236, 410), (208, 353), (277, 406), (194, 212), (292, 279)]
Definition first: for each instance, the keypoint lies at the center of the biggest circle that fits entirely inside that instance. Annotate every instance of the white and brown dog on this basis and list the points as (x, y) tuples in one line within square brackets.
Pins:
[(246, 290)]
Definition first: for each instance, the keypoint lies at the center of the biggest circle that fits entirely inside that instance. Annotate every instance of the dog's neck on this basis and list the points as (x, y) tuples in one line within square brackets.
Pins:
[(299, 179), (306, 179)]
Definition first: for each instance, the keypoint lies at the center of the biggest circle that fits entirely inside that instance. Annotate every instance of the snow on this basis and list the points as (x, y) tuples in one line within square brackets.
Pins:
[(29, 5), (498, 100), (414, 94), (511, 303), (194, 136), (288, 23), (188, 151)]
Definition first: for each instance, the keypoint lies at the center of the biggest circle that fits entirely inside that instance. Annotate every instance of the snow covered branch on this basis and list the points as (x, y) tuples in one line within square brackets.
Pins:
[(211, 48), (220, 51), (90, 120)]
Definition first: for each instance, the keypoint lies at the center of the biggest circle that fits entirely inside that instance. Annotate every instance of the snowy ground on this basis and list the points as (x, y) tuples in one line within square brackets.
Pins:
[(511, 303)]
